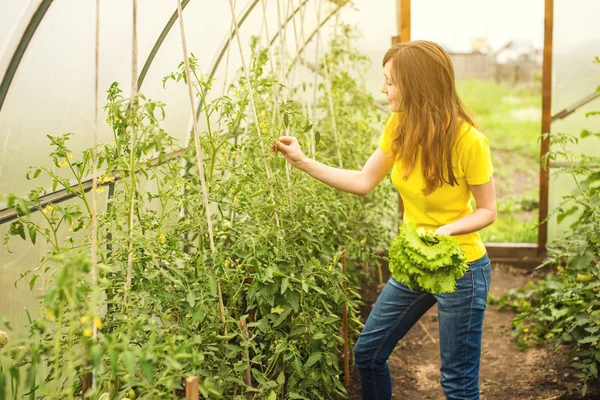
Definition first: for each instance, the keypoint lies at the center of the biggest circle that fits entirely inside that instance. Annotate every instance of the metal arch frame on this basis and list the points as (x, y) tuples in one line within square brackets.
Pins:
[(312, 35), (158, 44), (6, 214), (227, 40), (13, 65)]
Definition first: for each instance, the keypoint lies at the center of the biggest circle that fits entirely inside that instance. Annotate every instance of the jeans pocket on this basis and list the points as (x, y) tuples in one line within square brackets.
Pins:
[(483, 282)]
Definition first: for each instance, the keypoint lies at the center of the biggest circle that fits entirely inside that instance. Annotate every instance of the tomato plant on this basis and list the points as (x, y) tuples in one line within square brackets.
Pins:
[(267, 301)]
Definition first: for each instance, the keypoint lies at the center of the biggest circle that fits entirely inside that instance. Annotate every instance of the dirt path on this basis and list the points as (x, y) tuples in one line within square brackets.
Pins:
[(507, 373)]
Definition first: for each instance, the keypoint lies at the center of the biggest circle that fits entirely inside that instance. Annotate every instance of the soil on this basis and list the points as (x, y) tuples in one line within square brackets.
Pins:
[(506, 373)]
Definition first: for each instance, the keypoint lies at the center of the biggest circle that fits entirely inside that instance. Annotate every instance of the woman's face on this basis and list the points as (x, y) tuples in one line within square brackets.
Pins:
[(390, 88)]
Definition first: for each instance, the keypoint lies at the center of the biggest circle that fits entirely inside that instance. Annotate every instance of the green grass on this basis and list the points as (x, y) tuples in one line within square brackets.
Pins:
[(510, 117)]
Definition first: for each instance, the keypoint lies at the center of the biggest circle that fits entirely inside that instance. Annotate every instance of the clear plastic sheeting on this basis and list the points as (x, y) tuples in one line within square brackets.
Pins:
[(14, 19), (52, 90), (377, 27), (575, 76)]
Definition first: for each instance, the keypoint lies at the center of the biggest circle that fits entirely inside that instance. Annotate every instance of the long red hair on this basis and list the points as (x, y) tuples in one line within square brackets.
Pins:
[(432, 111)]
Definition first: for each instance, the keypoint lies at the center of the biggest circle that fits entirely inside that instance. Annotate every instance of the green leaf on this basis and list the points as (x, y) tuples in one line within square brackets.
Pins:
[(11, 200), (561, 216), (191, 298), (305, 286), (213, 286), (314, 358), (17, 228), (284, 285), (281, 378), (295, 396), (129, 362), (32, 281), (282, 317), (148, 370), (293, 299), (298, 366), (317, 137), (32, 233)]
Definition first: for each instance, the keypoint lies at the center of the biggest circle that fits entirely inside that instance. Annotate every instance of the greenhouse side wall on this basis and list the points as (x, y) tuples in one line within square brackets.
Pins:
[(575, 76)]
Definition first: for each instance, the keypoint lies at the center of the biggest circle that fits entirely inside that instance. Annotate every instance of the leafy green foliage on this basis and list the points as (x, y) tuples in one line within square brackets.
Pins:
[(427, 261), (265, 305), (564, 308)]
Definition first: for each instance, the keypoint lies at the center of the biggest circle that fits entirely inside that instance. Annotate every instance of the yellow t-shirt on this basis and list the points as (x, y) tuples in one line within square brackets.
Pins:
[(472, 165)]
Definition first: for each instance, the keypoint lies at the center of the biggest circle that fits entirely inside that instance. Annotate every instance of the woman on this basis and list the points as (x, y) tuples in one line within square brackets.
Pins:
[(438, 159)]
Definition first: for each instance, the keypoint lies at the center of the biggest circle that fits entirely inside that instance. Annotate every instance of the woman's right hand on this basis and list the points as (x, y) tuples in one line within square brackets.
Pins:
[(290, 148)]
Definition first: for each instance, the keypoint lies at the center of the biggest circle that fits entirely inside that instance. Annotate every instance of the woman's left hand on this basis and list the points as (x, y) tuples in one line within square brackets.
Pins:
[(443, 230)]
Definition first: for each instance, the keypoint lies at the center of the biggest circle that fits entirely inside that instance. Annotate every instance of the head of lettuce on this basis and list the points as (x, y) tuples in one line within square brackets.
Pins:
[(429, 262)]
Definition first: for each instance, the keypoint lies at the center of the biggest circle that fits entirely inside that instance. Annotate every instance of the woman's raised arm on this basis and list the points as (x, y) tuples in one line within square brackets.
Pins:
[(351, 181)]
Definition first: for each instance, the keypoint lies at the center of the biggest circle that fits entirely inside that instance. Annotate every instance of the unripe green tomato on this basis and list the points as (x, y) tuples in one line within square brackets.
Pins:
[(104, 396), (125, 378), (584, 277), (131, 394)]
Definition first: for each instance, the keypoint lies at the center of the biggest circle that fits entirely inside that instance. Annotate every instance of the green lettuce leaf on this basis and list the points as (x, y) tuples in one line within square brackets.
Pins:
[(430, 262)]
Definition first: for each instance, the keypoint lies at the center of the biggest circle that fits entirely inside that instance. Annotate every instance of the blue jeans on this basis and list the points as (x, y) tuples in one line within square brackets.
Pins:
[(460, 316)]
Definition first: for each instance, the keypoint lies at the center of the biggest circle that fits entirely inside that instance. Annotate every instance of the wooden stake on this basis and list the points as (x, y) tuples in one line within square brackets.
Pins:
[(345, 326), (246, 373), (192, 391), (86, 384), (222, 307)]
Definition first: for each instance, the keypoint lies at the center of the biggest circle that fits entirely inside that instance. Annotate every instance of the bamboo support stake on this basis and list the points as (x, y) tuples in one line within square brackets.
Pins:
[(298, 40), (329, 96), (345, 322), (277, 93), (251, 94), (130, 223), (313, 106), (199, 155), (89, 380), (192, 391), (221, 306)]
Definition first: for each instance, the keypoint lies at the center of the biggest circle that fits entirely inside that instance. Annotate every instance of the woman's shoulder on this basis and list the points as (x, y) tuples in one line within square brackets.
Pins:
[(393, 120), (468, 136)]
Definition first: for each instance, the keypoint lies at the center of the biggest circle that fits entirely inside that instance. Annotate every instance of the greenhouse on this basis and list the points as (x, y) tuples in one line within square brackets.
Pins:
[(299, 199)]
